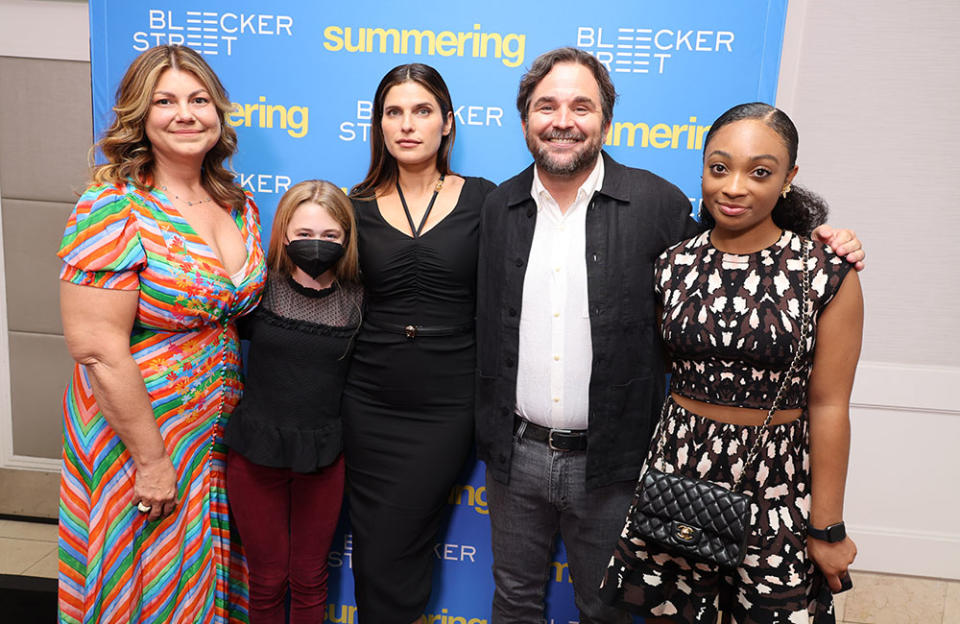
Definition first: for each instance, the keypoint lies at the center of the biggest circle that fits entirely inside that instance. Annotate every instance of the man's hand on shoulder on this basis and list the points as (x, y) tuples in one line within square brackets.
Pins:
[(844, 243)]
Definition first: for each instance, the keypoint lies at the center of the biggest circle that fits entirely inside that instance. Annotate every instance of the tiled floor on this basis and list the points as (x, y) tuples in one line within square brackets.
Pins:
[(892, 599), (30, 549)]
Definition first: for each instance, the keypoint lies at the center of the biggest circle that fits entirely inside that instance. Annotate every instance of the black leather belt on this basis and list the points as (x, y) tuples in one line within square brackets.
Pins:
[(413, 331), (556, 439)]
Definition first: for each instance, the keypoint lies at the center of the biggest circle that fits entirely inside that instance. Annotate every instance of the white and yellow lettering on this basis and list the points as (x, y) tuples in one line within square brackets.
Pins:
[(334, 38), (228, 22), (446, 43), (702, 37), (584, 37), (513, 48), (298, 120), (246, 24), (353, 47), (140, 41), (724, 38), (383, 34)]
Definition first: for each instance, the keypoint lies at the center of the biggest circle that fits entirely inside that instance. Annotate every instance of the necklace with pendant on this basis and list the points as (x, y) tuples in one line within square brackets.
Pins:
[(417, 230)]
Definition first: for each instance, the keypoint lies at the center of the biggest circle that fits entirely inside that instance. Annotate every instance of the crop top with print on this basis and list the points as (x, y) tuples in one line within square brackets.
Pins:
[(730, 322)]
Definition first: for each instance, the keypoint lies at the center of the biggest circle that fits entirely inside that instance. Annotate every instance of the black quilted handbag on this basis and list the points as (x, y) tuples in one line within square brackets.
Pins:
[(698, 518), (701, 519)]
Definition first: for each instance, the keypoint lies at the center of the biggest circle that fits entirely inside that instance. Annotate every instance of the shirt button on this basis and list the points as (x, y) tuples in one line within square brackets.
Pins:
[(557, 270), (556, 315), (556, 399), (556, 358)]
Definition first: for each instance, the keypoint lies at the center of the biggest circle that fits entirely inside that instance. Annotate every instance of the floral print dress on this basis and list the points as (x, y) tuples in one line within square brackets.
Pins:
[(115, 566)]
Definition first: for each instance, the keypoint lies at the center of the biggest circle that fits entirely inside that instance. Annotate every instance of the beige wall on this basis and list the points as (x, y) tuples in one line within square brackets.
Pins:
[(45, 131), (874, 92), (873, 87)]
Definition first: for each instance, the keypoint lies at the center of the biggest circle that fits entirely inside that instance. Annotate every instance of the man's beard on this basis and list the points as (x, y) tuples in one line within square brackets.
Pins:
[(584, 158)]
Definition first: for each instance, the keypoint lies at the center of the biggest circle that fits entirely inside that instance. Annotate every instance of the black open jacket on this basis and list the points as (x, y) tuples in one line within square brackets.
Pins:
[(630, 221)]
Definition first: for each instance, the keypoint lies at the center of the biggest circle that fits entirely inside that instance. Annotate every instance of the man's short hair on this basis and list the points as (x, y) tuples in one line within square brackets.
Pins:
[(544, 63)]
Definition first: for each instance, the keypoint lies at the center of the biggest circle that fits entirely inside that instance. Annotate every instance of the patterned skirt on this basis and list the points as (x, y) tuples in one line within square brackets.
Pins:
[(776, 582)]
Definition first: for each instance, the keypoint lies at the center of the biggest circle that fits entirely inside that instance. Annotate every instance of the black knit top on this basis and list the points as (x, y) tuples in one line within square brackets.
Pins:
[(300, 345)]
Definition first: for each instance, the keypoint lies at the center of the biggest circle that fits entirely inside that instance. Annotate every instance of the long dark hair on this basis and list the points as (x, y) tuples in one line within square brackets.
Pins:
[(383, 166), (125, 145), (801, 210)]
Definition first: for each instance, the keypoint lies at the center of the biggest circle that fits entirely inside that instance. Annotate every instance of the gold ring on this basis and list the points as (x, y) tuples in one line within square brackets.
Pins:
[(143, 508)]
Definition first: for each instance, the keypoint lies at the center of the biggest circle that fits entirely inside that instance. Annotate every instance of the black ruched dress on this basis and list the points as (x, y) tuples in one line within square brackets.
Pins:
[(408, 404)]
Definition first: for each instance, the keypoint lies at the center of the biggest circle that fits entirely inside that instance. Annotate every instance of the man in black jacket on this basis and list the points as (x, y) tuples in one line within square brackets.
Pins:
[(570, 372)]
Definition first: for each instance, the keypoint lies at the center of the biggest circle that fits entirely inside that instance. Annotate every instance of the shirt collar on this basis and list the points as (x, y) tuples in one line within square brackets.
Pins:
[(590, 186)]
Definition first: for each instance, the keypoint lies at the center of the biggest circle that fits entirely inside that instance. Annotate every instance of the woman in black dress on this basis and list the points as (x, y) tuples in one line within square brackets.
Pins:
[(408, 404)]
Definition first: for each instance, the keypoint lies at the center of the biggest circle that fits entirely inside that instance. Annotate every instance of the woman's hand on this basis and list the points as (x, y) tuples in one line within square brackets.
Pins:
[(832, 559), (155, 486)]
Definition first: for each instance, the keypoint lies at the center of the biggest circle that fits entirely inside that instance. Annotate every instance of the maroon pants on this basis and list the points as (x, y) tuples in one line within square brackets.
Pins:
[(286, 520)]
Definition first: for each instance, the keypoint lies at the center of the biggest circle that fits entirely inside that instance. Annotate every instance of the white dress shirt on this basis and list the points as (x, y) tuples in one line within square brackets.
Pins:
[(556, 352)]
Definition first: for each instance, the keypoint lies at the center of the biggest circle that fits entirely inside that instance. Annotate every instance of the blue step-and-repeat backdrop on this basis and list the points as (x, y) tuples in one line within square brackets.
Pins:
[(301, 76)]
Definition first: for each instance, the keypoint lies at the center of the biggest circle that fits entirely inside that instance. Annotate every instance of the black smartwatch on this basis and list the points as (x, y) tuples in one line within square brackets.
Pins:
[(832, 534)]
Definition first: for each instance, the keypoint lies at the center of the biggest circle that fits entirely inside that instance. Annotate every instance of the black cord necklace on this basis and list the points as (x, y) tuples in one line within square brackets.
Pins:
[(414, 229)]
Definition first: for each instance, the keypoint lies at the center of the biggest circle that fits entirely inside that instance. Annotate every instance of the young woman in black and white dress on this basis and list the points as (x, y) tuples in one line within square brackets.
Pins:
[(731, 315)]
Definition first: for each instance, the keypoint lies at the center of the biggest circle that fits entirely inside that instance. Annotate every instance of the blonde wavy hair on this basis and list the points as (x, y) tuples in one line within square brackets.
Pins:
[(125, 144), (328, 195)]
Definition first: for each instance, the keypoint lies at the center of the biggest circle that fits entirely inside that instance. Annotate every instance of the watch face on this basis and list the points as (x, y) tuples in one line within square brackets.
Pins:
[(836, 532)]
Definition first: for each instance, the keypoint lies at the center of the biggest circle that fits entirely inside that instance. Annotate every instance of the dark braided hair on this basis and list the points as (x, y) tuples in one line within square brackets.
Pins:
[(801, 210)]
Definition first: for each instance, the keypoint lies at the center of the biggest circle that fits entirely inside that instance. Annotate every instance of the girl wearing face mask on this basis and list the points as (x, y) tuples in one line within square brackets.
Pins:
[(285, 468)]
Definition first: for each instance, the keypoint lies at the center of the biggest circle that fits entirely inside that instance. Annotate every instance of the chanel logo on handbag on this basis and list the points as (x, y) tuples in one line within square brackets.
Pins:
[(685, 532), (669, 509)]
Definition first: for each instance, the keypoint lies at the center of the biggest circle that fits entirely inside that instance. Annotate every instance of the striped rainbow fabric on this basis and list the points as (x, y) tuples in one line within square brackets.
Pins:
[(114, 565)]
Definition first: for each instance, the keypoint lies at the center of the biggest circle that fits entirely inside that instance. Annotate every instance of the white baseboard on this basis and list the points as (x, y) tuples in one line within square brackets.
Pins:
[(24, 462), (902, 551)]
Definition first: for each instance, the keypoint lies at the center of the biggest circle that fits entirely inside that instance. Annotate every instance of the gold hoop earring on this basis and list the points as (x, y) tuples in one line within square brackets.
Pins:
[(786, 190)]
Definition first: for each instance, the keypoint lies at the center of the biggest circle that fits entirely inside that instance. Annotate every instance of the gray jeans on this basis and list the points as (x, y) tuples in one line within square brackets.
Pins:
[(546, 494)]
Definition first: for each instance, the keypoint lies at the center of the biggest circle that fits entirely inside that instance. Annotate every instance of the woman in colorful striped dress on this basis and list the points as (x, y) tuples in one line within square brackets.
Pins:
[(160, 256)]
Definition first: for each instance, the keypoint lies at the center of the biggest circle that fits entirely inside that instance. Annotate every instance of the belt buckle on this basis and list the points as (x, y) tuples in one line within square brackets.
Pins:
[(410, 331), (550, 439)]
